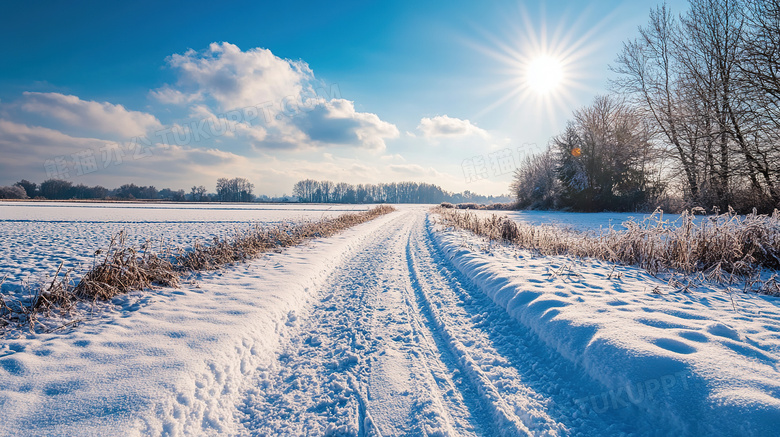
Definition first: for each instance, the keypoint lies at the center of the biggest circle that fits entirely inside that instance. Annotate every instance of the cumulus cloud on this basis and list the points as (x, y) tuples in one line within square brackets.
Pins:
[(278, 99), (337, 122), (446, 126), (23, 144), (29, 150), (235, 78), (214, 126), (96, 116)]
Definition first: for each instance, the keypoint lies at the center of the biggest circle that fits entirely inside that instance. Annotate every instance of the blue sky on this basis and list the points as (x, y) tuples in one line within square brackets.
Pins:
[(352, 91)]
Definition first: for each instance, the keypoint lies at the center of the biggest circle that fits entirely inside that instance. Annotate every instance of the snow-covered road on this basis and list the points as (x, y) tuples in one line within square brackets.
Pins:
[(396, 327), (396, 344)]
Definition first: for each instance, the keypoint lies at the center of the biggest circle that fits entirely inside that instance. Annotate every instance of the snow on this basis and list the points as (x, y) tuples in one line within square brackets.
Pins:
[(581, 221), (164, 363), (396, 327), (37, 236), (694, 360)]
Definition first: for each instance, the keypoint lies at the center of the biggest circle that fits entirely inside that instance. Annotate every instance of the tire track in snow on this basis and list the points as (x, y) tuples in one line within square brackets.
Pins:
[(397, 342), (357, 363), (555, 381), (503, 409), (313, 387)]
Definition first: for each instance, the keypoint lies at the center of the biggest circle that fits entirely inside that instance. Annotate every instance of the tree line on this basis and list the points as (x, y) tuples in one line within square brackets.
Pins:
[(228, 190), (693, 120), (312, 191), (241, 190)]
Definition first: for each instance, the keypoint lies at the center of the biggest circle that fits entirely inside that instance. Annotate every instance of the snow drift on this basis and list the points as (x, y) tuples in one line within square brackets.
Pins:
[(705, 361)]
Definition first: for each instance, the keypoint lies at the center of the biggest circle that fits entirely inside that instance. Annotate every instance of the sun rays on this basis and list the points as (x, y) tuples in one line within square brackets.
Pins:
[(541, 63)]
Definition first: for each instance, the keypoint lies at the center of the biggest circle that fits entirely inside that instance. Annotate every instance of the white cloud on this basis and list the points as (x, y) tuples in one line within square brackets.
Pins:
[(29, 149), (288, 113), (396, 156), (337, 122), (234, 78), (26, 149), (96, 116), (414, 170), (255, 133), (446, 126), (170, 96), (23, 144)]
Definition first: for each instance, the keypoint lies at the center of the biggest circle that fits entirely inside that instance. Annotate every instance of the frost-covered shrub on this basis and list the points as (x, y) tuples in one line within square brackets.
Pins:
[(721, 247), (13, 192)]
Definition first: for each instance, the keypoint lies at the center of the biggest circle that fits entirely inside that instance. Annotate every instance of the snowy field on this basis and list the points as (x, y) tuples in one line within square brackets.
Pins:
[(399, 327), (581, 221), (36, 236)]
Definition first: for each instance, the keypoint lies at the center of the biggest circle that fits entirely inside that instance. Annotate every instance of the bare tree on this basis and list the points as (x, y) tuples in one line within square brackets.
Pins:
[(535, 184), (305, 190), (198, 193), (716, 30), (707, 52), (234, 190), (761, 51), (709, 84), (604, 157), (327, 188), (650, 72), (760, 66)]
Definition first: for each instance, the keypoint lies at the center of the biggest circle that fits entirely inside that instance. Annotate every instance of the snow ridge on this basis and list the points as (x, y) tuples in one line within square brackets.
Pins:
[(691, 362)]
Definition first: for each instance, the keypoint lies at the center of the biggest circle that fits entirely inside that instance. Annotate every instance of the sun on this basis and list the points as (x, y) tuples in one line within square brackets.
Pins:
[(541, 66), (544, 74)]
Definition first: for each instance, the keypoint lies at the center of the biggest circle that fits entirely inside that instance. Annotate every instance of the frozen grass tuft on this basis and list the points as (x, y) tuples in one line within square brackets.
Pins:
[(724, 248), (264, 238), (123, 268)]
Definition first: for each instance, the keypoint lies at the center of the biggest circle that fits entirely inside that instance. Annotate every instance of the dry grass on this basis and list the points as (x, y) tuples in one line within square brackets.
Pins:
[(123, 268), (723, 248), (264, 238), (477, 206)]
